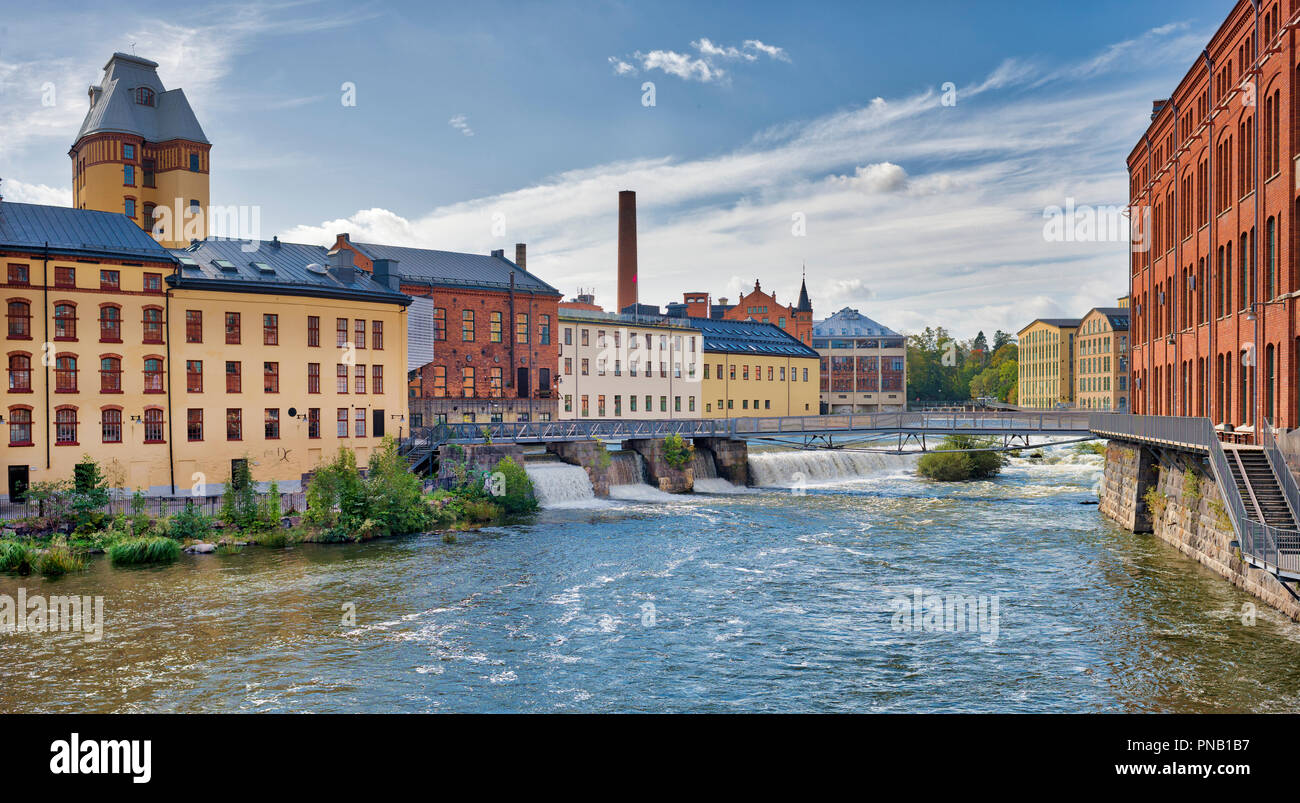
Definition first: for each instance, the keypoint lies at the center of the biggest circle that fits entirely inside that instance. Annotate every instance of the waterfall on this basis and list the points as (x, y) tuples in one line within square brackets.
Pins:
[(561, 485), (717, 485), (703, 464), (626, 468), (821, 466), (640, 492)]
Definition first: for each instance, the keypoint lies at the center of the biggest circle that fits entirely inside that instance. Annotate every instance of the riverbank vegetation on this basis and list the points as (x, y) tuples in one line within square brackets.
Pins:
[(343, 504), (949, 464), (942, 368)]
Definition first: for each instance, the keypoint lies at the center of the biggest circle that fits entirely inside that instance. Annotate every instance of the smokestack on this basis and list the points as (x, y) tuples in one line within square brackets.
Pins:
[(627, 290), (521, 255)]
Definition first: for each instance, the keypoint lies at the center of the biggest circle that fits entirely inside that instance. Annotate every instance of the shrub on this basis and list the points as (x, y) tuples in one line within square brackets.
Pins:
[(394, 501), (1091, 447), (135, 551), (89, 493), (517, 497), (239, 505), (677, 452), (269, 509), (15, 557), (277, 538), (58, 559), (952, 463), (1155, 502), (191, 524), (53, 501), (1191, 485)]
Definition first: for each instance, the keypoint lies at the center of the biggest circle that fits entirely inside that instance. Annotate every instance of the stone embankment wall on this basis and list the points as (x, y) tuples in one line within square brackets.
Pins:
[(665, 477), (1172, 494), (591, 455), (474, 457), (731, 458)]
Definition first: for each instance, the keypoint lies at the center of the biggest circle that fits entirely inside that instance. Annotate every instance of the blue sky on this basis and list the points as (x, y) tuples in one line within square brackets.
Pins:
[(914, 212)]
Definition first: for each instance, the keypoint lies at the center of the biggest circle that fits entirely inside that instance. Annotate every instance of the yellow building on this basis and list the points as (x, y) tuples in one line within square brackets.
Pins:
[(1101, 361), (756, 369), (166, 366), (1047, 363), (141, 152)]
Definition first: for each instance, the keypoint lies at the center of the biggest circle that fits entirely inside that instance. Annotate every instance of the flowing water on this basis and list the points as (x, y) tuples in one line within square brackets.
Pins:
[(783, 598)]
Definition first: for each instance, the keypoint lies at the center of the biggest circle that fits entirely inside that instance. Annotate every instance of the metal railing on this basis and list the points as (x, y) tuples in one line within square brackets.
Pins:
[(153, 505), (1273, 549)]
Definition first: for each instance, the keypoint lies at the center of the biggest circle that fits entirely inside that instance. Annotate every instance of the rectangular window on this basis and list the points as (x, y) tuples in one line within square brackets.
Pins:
[(439, 323), (313, 377), (153, 282), (19, 274), (360, 427), (663, 404), (194, 376), (110, 375), (568, 403), (341, 332), (360, 378), (233, 381), (521, 327), (467, 325), (467, 382), (153, 426), (270, 330), (110, 280), (313, 330), (586, 407), (340, 378), (65, 426), (128, 179), (600, 405), (65, 277), (568, 336), (194, 424), (110, 426), (544, 330), (271, 377), (439, 381), (631, 403), (232, 328), (272, 423), (193, 326), (377, 335), (494, 327), (313, 422), (360, 329), (376, 379), (128, 152), (343, 422), (677, 404)]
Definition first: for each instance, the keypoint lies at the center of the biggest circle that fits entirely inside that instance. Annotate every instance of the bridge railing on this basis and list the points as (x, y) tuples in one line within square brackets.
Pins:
[(917, 421)]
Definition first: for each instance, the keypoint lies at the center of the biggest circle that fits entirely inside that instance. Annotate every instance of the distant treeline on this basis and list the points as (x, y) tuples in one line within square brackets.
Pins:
[(941, 368)]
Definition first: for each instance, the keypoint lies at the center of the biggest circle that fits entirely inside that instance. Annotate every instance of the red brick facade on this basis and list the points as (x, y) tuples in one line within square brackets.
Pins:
[(1213, 257), (763, 307)]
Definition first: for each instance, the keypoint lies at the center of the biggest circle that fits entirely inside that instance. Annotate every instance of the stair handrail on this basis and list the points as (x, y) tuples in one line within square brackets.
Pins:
[(1286, 480)]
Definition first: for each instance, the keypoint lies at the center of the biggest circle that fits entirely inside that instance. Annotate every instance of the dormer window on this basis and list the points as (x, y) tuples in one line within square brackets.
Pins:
[(144, 96)]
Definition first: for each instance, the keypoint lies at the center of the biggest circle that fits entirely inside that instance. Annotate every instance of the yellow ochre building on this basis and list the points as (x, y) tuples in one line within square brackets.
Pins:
[(1047, 363), (756, 369)]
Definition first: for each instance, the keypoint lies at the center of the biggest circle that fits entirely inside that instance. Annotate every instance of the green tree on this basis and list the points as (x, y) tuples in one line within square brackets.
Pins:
[(954, 460), (394, 498)]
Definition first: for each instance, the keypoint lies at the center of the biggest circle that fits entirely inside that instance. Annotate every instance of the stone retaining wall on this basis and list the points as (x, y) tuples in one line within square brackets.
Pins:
[(591, 455), (731, 458), (475, 457), (669, 479)]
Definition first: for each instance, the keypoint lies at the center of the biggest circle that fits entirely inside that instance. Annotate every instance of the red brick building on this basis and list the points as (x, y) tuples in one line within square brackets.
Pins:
[(487, 348), (758, 305), (1213, 193)]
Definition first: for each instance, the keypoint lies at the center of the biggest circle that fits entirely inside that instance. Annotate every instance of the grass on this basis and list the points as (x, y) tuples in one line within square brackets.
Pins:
[(276, 539), (139, 551), (1091, 447), (15, 557), (57, 560)]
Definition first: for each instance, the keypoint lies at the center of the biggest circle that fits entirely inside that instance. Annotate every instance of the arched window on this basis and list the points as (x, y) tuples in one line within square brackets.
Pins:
[(20, 426), (153, 375), (65, 373), (65, 321), (153, 425), (1270, 375), (110, 374), (153, 327), (20, 373), (1270, 259), (110, 324), (111, 425), (65, 426), (20, 320)]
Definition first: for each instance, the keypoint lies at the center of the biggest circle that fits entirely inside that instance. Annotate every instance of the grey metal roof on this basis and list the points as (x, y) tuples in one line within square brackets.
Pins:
[(1059, 322), (851, 323), (113, 107), (286, 270), (29, 227), (455, 269), (749, 337), (1118, 317)]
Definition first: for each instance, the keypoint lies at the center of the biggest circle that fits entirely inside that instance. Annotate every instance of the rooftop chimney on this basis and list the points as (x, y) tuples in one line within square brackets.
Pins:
[(341, 265), (521, 255), (627, 290)]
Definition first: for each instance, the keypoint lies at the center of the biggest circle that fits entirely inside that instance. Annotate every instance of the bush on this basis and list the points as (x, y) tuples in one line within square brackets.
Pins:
[(335, 495), (677, 452), (15, 557), (276, 539), (53, 501), (951, 464), (57, 560), (135, 551), (517, 495), (239, 505), (89, 493), (393, 495), (191, 524)]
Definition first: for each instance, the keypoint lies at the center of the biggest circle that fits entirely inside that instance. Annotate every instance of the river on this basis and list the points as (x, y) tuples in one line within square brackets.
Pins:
[(761, 599)]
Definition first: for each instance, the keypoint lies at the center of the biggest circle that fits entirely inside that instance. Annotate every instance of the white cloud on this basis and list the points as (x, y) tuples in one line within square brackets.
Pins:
[(461, 124), (622, 67), (703, 68), (775, 52), (23, 193), (881, 177), (681, 65)]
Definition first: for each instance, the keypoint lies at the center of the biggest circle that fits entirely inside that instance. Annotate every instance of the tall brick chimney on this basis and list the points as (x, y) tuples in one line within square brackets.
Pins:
[(627, 291), (521, 255)]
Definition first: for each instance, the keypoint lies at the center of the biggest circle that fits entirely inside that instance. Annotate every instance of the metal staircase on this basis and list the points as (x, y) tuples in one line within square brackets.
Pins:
[(1259, 487)]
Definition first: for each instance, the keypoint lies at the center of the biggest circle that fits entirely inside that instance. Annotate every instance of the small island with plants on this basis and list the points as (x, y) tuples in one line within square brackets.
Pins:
[(962, 457), (343, 504)]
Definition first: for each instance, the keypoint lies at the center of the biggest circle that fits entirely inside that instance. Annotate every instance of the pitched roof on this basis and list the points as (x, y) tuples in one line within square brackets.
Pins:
[(455, 269), (851, 323), (1063, 323), (1118, 316), (749, 337), (271, 266), (29, 227), (804, 305), (114, 108)]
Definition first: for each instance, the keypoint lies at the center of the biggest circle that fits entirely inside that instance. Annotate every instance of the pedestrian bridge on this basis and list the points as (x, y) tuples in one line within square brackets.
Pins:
[(1012, 426)]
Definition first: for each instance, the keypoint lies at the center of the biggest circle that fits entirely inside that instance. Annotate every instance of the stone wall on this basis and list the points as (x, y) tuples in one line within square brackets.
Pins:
[(475, 457), (591, 455), (1188, 514), (731, 458), (665, 477)]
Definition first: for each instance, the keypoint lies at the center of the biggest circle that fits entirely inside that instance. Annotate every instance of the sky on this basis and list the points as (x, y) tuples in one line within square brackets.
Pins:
[(903, 154)]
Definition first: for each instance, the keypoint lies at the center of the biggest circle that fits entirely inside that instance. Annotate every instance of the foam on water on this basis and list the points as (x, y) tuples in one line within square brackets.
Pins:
[(640, 492), (785, 469), (560, 485)]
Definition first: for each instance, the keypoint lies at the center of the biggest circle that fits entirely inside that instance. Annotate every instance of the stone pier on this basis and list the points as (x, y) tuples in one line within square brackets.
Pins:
[(1172, 494), (665, 477), (591, 456), (474, 457), (731, 458)]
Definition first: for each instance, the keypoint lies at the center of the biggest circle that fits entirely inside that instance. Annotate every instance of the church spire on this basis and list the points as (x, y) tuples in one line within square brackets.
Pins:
[(804, 305)]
